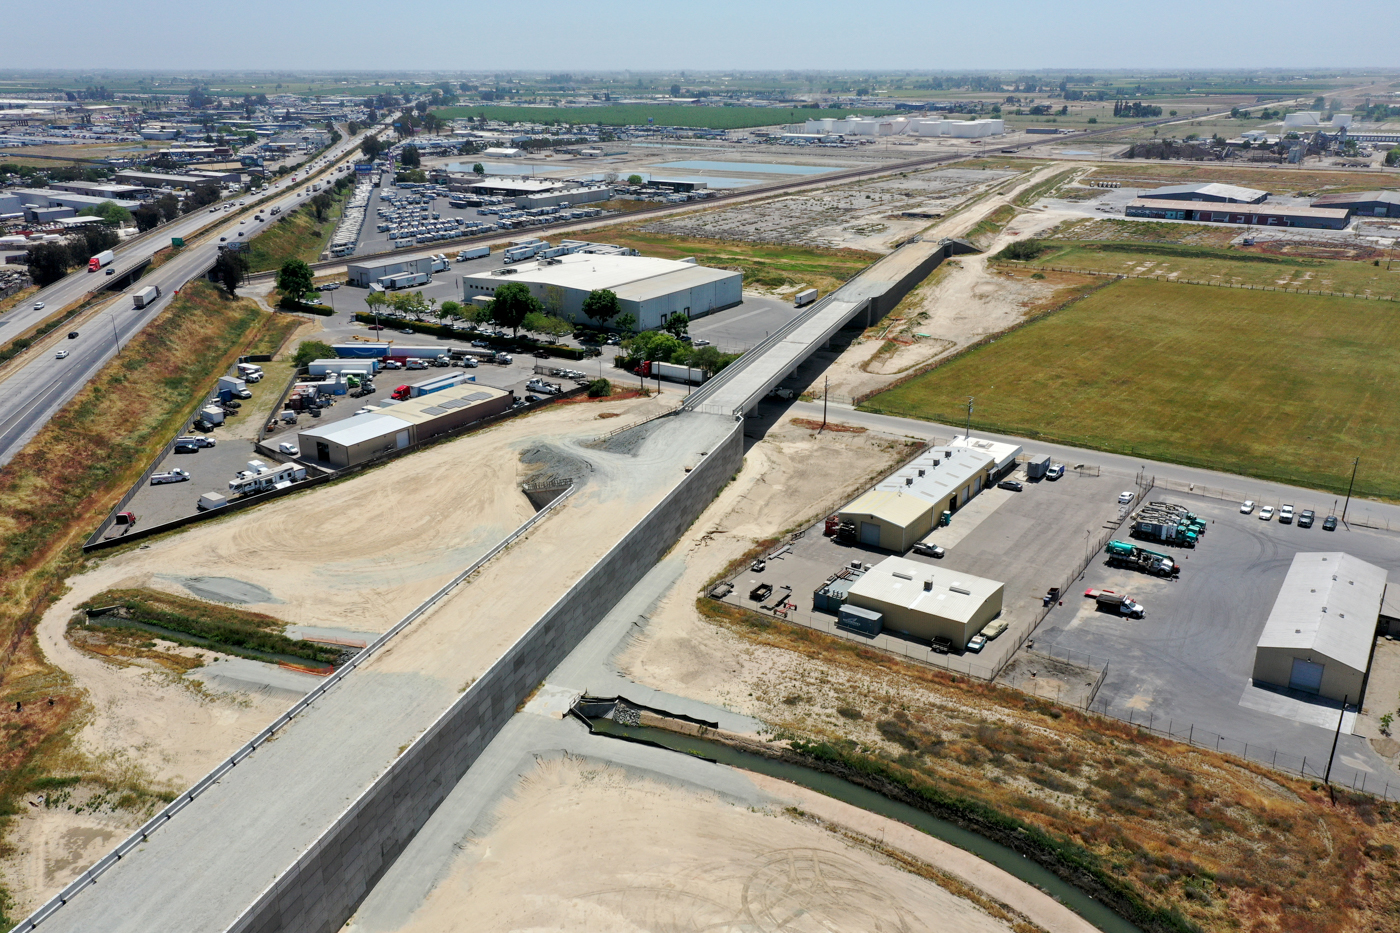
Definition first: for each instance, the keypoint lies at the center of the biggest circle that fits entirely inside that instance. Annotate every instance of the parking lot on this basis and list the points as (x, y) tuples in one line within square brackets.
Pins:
[(1190, 660), (1029, 540)]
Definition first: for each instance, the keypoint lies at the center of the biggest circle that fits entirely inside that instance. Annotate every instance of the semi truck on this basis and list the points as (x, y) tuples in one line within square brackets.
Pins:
[(672, 371), (429, 386), (145, 297), (440, 264), (527, 251), (406, 280), (103, 258), (805, 297), (475, 252), (1124, 554)]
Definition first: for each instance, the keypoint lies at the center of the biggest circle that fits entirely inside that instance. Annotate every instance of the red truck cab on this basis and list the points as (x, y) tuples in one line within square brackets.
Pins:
[(401, 393)]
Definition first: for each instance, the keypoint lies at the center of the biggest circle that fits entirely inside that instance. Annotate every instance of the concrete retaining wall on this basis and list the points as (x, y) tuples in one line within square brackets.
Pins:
[(326, 885)]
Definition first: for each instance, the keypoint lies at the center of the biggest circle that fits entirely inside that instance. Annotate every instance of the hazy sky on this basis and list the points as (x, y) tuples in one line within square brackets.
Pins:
[(469, 35)]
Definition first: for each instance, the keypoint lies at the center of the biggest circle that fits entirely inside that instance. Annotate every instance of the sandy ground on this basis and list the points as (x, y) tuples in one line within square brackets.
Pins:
[(584, 846), (355, 555)]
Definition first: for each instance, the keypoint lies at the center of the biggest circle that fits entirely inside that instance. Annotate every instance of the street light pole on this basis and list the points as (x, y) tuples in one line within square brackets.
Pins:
[(1327, 778), (826, 386), (968, 433), (1354, 464)]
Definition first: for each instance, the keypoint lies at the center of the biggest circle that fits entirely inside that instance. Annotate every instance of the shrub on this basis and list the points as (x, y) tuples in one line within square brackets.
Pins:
[(599, 388), (1023, 250)]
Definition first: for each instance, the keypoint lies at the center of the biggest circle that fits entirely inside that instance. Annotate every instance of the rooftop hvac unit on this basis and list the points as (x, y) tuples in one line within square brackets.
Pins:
[(921, 472), (928, 584), (908, 480), (958, 589)]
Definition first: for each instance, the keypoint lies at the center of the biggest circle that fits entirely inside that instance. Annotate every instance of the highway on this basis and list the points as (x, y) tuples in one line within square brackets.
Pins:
[(38, 384)]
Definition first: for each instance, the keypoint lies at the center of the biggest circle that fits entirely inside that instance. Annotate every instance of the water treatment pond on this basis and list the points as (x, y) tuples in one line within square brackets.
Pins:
[(760, 168), (999, 855)]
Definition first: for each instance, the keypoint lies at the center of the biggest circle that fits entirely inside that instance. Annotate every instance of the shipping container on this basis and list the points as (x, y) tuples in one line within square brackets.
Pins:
[(804, 298)]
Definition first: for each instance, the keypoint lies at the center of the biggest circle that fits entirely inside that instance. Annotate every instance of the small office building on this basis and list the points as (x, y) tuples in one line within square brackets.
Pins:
[(397, 425), (1319, 635), (903, 508), (923, 601)]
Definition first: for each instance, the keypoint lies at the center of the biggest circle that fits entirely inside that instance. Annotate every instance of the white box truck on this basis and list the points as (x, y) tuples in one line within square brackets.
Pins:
[(251, 372), (145, 296)]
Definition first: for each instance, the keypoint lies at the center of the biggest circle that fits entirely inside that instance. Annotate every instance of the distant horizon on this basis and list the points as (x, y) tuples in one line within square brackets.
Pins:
[(781, 36)]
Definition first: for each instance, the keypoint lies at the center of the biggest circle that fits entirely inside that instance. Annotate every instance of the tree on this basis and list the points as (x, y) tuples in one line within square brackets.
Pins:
[(147, 217), (675, 90), (409, 158), (478, 169), (410, 303), (554, 297), (625, 321), (169, 207), (110, 212), (602, 305), (371, 147), (375, 301), (1392, 158), (634, 179), (354, 128), (295, 280), (416, 175), (452, 309), (320, 204), (309, 350), (677, 325), (480, 314), (48, 262), (513, 301), (230, 269), (707, 359)]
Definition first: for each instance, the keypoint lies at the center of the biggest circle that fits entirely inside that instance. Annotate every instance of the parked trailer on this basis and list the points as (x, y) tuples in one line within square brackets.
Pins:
[(429, 386), (211, 500), (804, 298), (1037, 467), (104, 258), (259, 477), (521, 253), (406, 280), (672, 371), (145, 296), (476, 252)]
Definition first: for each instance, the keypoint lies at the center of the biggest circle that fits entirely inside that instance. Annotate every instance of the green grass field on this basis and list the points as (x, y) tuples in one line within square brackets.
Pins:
[(1227, 266), (713, 118), (297, 235), (1277, 386)]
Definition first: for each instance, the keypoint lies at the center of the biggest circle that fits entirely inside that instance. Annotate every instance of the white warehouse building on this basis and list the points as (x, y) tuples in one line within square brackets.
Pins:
[(901, 126), (650, 289)]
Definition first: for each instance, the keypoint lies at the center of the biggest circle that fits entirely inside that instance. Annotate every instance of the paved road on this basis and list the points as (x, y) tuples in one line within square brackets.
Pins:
[(40, 386)]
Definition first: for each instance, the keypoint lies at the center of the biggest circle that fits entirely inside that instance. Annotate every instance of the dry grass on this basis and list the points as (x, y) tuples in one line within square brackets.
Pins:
[(64, 482), (1197, 839)]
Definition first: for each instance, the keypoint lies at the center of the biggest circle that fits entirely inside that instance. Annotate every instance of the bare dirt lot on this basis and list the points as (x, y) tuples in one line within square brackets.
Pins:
[(663, 858)]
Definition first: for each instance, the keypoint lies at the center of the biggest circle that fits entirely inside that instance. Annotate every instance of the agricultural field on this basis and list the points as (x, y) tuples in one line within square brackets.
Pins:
[(1277, 264), (1280, 180), (712, 118), (1274, 385), (763, 266)]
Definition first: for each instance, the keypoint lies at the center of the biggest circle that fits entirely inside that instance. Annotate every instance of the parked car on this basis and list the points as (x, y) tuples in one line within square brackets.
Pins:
[(1285, 515), (290, 449), (1126, 496), (928, 550), (1010, 484), (1329, 523), (197, 441), (1266, 513), (376, 327), (994, 629), (169, 476), (1247, 507), (1056, 471), (977, 643), (1305, 518)]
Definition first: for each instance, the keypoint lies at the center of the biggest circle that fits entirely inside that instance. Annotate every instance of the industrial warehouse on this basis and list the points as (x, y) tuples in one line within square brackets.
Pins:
[(901, 509), (1311, 217), (1319, 635), (403, 424), (649, 289), (1362, 203), (921, 601)]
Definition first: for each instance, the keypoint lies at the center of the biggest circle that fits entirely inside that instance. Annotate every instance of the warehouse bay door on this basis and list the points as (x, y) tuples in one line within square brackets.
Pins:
[(870, 533), (1306, 676)]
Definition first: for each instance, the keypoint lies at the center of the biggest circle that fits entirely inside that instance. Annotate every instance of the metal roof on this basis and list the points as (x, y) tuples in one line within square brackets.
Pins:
[(889, 505), (1004, 453), (1329, 603), (1215, 189), (687, 277), (944, 470), (1352, 198), (357, 429), (951, 595), (1263, 210), (587, 271)]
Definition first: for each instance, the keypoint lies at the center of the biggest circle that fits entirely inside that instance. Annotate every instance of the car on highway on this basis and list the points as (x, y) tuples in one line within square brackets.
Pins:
[(72, 335), (170, 476), (1010, 484), (1285, 515), (1329, 523), (1305, 518), (242, 222), (1126, 496), (61, 355), (1247, 506), (290, 449), (1266, 513), (38, 306)]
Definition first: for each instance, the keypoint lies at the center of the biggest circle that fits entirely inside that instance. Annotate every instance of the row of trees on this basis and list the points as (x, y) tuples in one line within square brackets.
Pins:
[(49, 262), (1135, 109)]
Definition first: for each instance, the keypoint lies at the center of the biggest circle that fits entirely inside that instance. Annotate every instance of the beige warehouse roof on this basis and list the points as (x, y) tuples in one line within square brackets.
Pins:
[(585, 271), (1329, 603), (953, 595), (892, 506), (687, 277), (357, 429), (945, 470), (426, 408)]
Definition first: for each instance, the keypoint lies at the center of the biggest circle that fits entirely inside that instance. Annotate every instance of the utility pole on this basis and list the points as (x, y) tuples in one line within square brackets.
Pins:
[(826, 385), (115, 339), (968, 433), (1327, 777), (1354, 465)]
